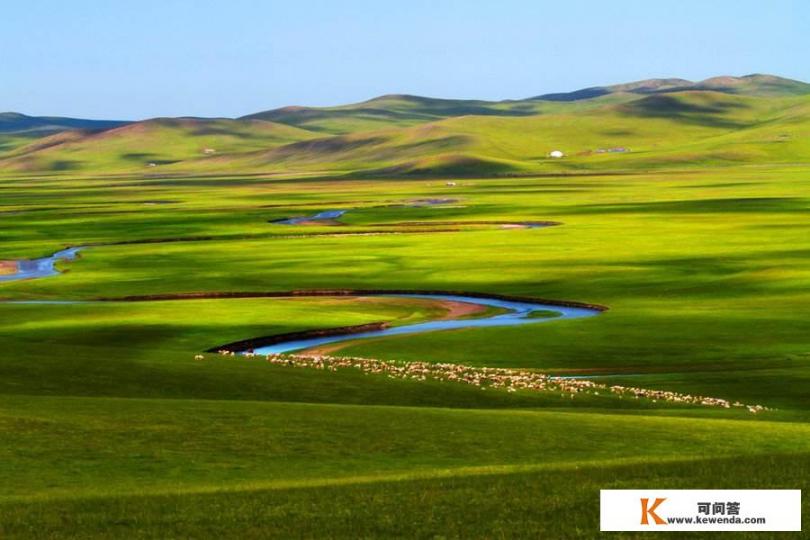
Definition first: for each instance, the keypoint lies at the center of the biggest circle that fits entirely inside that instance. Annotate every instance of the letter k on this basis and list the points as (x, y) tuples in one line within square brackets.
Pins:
[(647, 510)]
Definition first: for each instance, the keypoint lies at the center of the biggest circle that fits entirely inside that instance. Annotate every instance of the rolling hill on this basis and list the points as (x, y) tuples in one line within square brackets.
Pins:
[(17, 123), (17, 130), (642, 125), (749, 85), (145, 145), (405, 111), (652, 131)]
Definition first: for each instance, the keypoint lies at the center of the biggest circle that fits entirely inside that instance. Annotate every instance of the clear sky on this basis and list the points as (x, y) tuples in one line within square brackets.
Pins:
[(144, 58)]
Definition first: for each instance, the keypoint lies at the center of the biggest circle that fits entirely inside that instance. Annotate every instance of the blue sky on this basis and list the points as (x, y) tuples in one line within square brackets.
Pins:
[(146, 58)]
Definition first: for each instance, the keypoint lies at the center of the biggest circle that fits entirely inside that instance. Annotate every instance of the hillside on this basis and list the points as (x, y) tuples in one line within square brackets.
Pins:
[(653, 131), (17, 130), (748, 85), (405, 111), (145, 145), (17, 123), (657, 123), (386, 111)]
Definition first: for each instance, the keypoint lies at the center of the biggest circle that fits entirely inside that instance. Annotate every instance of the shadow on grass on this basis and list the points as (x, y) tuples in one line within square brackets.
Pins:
[(681, 109), (558, 502), (730, 205)]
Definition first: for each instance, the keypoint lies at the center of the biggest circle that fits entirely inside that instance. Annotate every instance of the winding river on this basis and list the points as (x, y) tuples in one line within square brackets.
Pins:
[(517, 312), (320, 216), (40, 268)]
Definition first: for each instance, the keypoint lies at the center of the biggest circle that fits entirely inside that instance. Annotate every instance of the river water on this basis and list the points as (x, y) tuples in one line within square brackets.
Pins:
[(518, 313)]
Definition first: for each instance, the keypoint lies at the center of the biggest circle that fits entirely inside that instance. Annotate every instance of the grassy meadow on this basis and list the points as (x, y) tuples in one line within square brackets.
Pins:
[(111, 428), (109, 420)]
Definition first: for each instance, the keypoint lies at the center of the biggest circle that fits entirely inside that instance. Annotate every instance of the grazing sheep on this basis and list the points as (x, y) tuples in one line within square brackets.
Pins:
[(484, 378)]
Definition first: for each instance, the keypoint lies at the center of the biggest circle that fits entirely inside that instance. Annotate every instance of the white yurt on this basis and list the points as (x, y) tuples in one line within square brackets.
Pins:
[(556, 154)]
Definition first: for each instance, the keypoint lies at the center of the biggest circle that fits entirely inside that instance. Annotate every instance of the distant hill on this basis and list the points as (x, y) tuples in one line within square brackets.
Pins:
[(403, 110), (650, 131), (139, 146), (638, 87), (755, 85), (656, 123), (396, 109), (750, 85), (16, 123)]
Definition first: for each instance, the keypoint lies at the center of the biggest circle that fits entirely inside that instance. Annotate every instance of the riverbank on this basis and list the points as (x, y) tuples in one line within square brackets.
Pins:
[(39, 268), (8, 268)]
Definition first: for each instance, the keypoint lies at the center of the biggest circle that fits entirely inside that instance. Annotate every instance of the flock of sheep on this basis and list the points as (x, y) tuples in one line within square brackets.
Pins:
[(512, 380)]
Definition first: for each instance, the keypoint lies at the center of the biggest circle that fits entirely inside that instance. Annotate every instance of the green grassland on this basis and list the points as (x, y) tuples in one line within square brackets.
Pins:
[(698, 241)]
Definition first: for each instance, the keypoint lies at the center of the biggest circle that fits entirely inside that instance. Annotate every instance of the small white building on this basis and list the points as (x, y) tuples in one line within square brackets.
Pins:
[(556, 154)]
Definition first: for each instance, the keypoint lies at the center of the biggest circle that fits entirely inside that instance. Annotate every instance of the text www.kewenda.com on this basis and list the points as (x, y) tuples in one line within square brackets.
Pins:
[(703, 520)]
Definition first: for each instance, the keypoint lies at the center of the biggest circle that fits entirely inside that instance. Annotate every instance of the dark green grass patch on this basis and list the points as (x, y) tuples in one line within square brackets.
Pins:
[(552, 503), (72, 447)]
